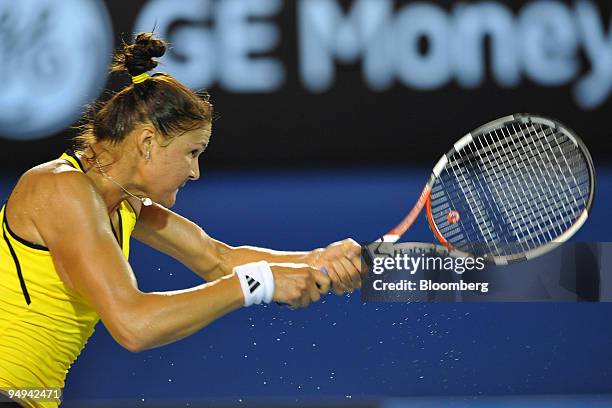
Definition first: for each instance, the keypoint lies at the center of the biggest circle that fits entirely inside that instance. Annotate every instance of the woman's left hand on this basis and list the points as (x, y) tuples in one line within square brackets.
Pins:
[(342, 262)]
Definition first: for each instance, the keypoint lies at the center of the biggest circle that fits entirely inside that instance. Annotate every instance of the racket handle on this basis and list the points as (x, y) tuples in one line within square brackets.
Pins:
[(368, 255)]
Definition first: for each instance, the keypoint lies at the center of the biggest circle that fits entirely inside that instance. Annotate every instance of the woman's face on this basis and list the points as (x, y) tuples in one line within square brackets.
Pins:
[(171, 165)]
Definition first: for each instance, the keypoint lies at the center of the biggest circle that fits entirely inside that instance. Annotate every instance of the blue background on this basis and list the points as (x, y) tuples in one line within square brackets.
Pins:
[(342, 348), (294, 169)]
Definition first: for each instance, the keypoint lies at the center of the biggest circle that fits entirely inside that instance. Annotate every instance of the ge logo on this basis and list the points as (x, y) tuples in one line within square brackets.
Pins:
[(53, 60)]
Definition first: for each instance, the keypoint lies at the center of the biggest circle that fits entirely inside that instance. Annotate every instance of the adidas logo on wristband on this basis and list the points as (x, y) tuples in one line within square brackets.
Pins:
[(253, 284), (256, 282)]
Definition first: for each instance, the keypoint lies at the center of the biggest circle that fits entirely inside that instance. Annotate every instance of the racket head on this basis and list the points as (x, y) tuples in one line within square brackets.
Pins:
[(511, 190)]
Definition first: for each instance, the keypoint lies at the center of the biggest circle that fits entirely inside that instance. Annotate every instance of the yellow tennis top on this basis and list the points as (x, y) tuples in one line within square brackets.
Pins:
[(44, 325)]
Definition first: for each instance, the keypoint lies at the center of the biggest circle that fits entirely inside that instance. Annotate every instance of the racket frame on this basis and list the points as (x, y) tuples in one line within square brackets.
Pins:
[(424, 200)]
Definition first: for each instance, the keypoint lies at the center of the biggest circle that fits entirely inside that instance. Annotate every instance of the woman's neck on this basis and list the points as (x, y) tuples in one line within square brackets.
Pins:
[(108, 174)]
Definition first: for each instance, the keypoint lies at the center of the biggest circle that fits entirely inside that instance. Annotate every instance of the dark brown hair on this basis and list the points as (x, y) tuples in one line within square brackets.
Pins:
[(160, 100)]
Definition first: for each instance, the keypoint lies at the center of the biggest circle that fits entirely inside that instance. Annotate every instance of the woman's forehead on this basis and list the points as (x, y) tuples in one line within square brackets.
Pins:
[(199, 135)]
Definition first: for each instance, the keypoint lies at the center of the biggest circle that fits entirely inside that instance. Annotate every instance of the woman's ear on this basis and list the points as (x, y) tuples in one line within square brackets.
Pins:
[(144, 139)]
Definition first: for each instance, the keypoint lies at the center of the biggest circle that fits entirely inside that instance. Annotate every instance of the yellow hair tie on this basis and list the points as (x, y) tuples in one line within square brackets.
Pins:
[(140, 78)]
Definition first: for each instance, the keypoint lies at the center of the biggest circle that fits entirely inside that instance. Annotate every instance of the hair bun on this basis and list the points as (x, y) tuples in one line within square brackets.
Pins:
[(138, 58)]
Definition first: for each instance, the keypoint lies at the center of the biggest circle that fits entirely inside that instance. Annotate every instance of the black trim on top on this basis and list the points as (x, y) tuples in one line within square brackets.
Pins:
[(72, 154), (118, 237), (113, 229), (132, 207), (18, 238), (120, 227), (24, 289), (110, 220)]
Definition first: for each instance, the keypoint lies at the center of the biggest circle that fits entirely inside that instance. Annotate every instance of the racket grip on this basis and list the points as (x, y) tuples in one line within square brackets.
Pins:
[(368, 255)]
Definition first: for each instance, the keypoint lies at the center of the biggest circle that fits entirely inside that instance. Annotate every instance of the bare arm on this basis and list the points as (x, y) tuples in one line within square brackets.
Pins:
[(99, 272), (185, 241)]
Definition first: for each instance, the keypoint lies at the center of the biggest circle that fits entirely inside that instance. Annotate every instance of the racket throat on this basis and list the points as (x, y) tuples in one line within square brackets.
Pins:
[(432, 226), (402, 227)]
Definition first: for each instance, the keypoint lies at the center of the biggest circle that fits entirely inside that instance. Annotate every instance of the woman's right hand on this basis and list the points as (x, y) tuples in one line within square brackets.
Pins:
[(298, 285)]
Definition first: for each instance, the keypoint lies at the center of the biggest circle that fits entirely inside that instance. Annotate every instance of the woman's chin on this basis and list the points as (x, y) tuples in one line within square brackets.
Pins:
[(169, 200)]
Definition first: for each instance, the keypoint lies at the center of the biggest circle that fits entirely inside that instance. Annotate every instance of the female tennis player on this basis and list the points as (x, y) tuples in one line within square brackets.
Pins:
[(67, 225)]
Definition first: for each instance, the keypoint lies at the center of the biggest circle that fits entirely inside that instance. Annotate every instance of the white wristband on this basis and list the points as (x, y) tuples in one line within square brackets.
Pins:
[(256, 281)]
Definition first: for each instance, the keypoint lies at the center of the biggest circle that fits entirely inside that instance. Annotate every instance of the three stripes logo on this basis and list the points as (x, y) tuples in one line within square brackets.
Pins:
[(253, 284)]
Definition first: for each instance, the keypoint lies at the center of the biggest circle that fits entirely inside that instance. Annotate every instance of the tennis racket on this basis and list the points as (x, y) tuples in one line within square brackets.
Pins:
[(511, 190)]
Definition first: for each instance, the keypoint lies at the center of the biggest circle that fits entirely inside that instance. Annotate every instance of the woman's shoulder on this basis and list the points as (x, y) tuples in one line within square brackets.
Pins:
[(55, 174), (52, 183), (49, 194), (57, 166)]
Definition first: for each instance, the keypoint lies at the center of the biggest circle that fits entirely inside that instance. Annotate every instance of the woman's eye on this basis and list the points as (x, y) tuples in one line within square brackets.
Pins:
[(194, 153)]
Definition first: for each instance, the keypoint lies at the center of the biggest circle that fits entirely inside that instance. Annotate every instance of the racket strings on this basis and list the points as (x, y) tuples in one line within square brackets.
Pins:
[(566, 203), (538, 190), (532, 226), (486, 229), (477, 205), (515, 188)]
